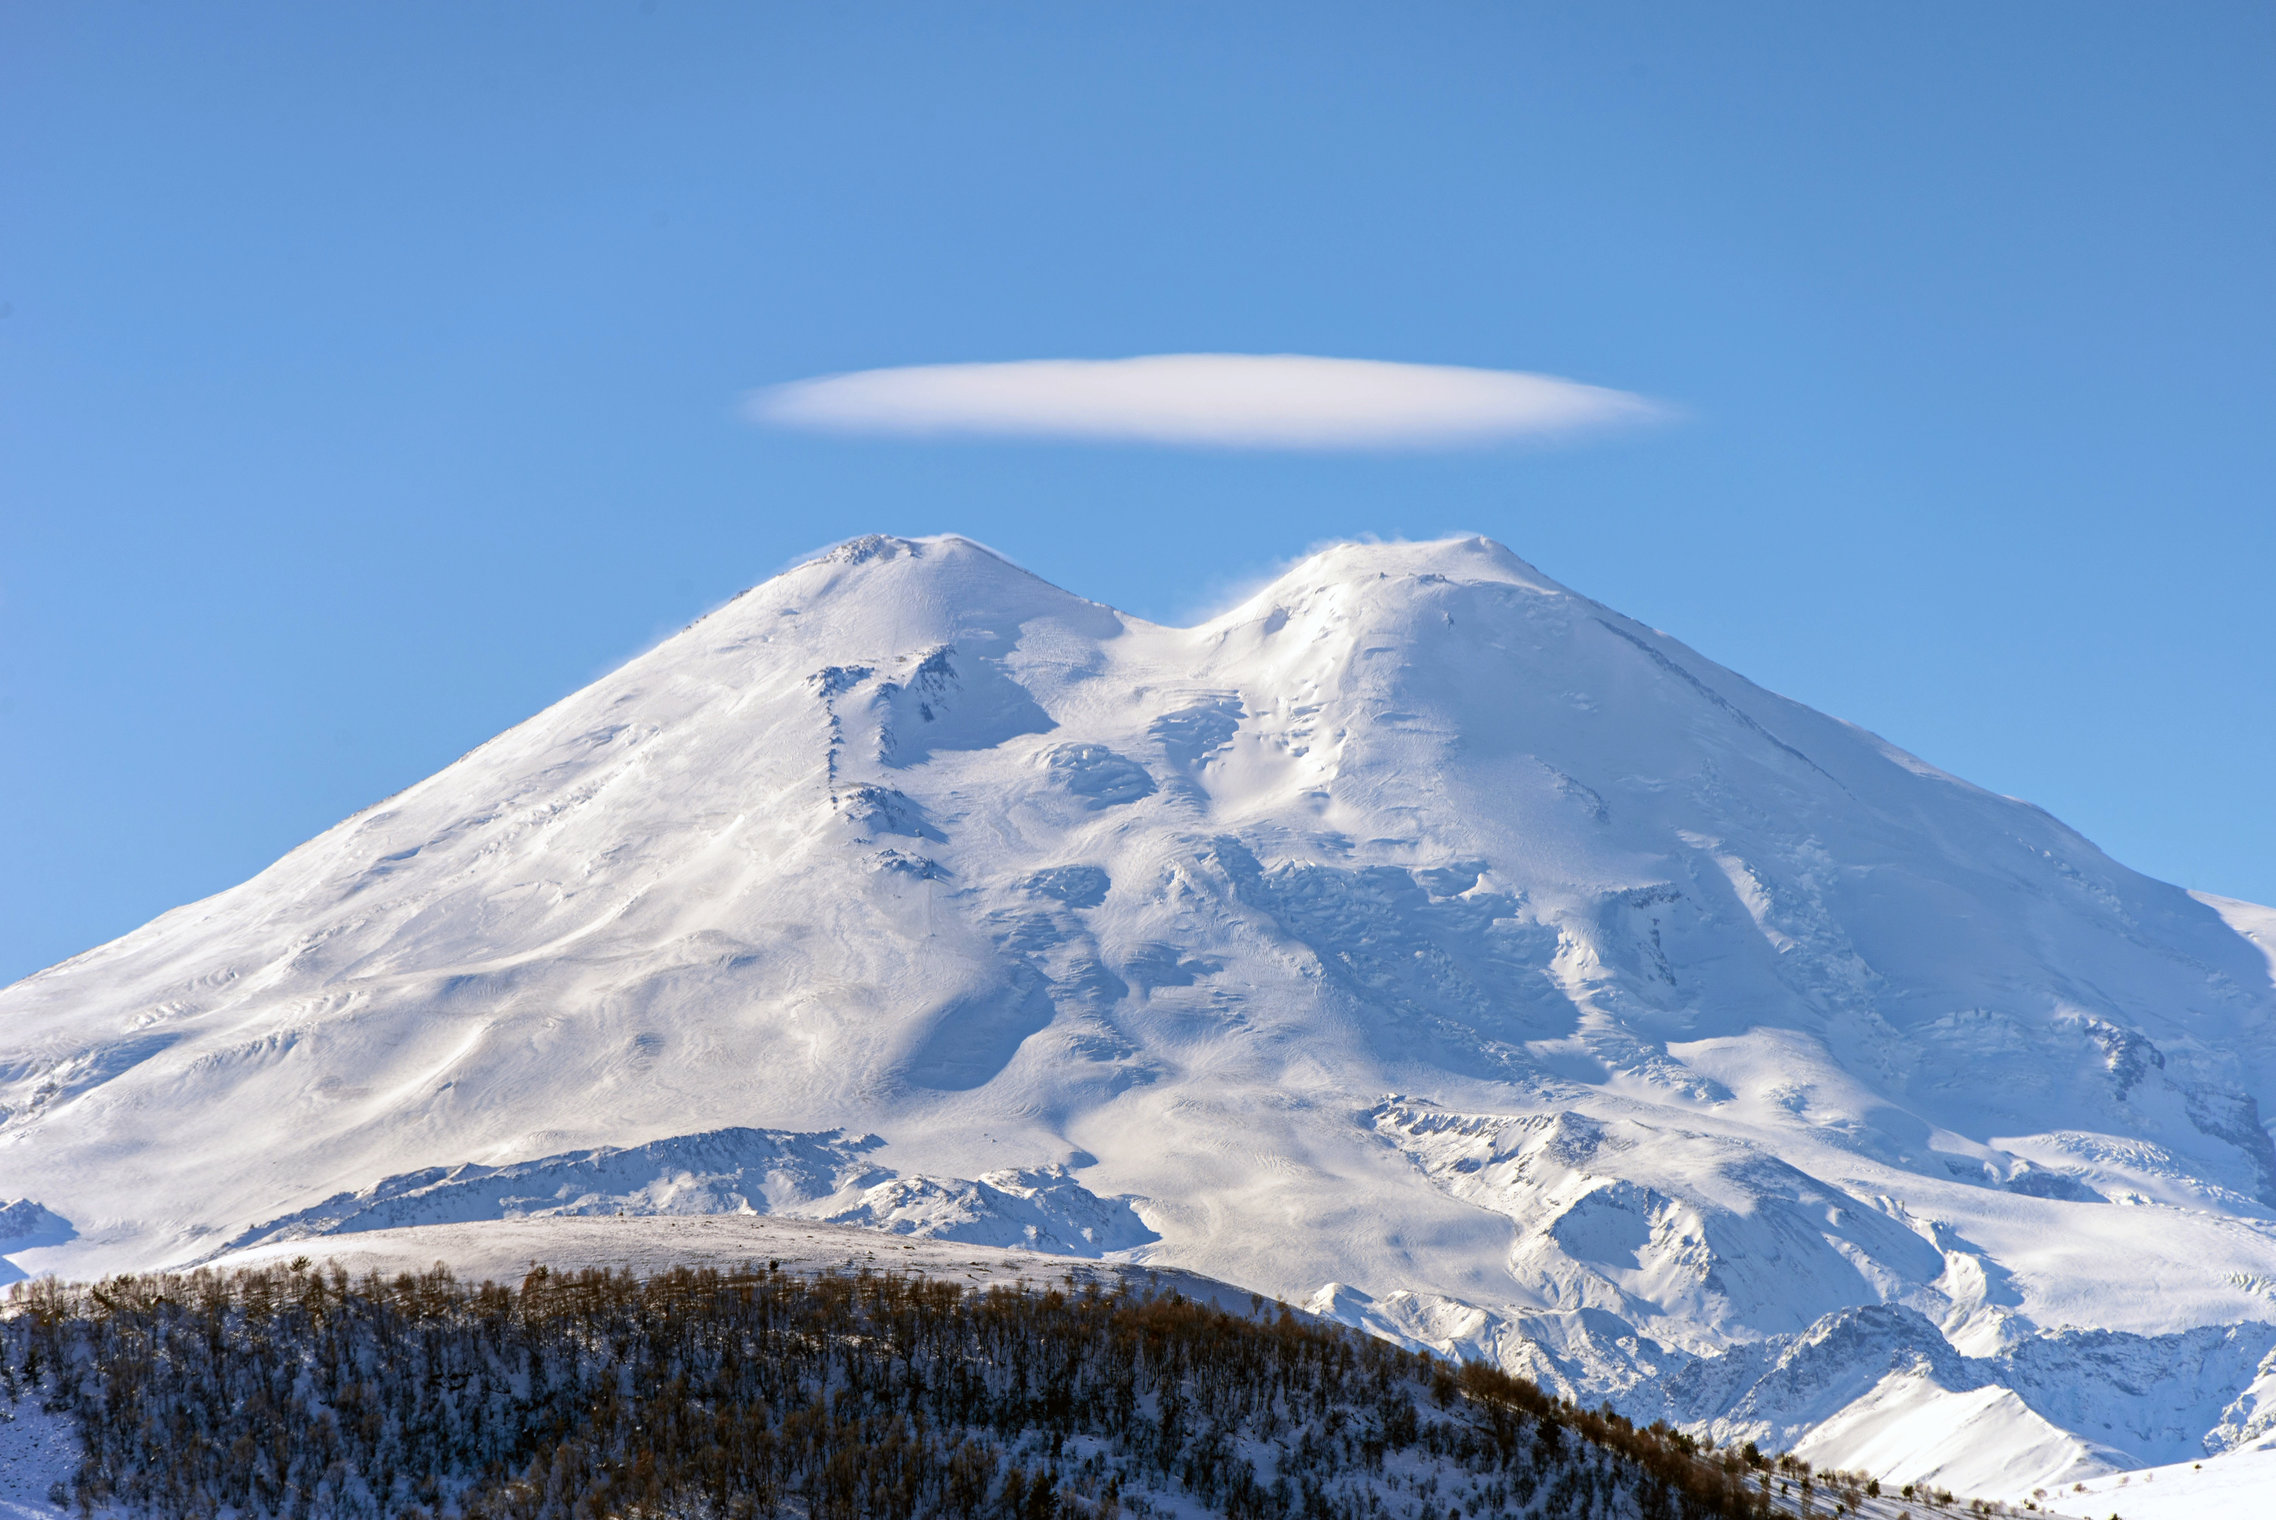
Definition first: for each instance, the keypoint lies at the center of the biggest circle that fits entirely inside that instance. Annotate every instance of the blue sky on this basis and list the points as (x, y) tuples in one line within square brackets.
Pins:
[(371, 374)]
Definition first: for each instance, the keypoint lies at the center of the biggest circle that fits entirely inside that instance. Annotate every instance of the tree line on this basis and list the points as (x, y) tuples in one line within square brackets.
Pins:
[(295, 1391)]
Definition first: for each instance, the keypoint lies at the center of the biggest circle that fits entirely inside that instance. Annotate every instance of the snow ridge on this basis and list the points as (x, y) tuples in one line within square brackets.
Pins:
[(826, 1177)]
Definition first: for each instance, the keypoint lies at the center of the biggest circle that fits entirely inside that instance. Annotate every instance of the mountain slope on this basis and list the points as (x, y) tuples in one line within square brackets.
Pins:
[(1419, 938)]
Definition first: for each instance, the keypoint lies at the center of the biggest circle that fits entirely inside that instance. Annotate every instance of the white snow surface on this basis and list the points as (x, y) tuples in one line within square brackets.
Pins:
[(2237, 1485), (1419, 939), (503, 1250), (37, 1451)]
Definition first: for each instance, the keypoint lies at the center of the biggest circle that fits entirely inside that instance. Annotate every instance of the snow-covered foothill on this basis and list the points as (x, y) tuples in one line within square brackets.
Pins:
[(734, 1171), (2237, 1485), (503, 1250), (1419, 939)]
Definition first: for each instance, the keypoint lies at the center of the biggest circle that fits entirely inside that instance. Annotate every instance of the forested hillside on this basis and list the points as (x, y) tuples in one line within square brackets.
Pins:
[(296, 1391)]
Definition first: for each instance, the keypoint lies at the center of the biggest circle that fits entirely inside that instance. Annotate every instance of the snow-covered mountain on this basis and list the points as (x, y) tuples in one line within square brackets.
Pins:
[(1419, 940)]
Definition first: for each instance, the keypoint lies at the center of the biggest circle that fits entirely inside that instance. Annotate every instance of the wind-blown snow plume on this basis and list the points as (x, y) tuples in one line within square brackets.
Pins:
[(1232, 401)]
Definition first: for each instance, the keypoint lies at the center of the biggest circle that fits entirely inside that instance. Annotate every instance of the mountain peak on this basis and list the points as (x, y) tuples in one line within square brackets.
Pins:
[(1357, 566), (956, 563), (908, 843), (881, 596), (874, 548), (1470, 557)]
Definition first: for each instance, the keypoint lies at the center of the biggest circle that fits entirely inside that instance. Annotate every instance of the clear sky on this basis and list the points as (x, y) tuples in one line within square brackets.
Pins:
[(373, 375)]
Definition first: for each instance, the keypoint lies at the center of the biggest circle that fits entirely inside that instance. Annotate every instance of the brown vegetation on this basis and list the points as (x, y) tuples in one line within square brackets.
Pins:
[(296, 1392)]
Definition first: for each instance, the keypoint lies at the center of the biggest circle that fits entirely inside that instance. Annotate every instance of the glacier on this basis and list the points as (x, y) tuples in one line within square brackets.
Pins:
[(1419, 941)]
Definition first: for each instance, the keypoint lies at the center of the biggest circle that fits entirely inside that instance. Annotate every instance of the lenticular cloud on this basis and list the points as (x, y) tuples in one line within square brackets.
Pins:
[(1237, 401)]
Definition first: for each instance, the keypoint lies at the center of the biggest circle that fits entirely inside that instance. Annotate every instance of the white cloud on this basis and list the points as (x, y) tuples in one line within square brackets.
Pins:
[(1232, 401)]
